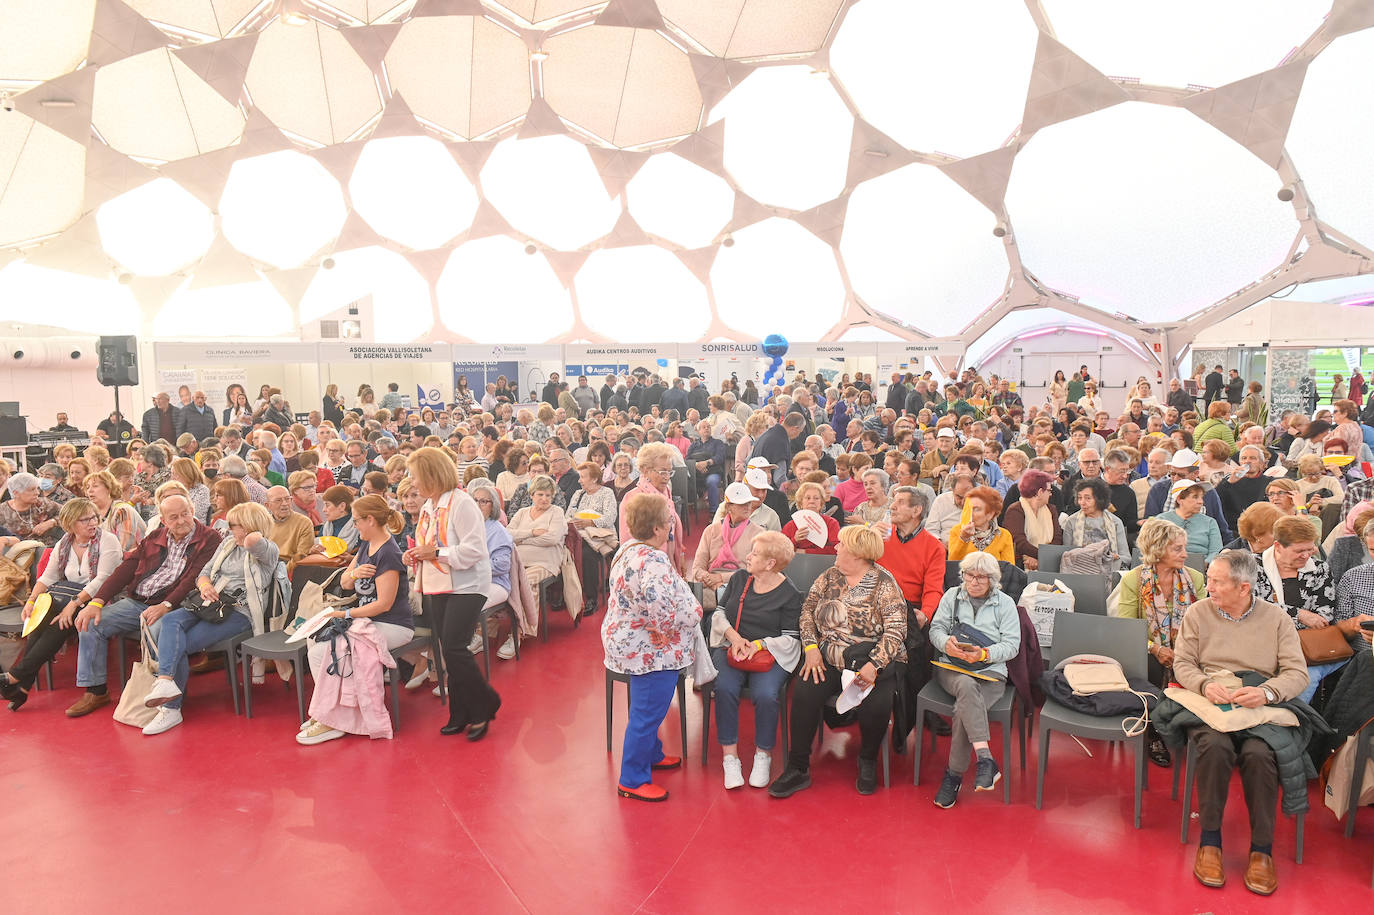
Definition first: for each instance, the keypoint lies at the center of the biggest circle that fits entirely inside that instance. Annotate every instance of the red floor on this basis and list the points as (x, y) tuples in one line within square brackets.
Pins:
[(96, 816)]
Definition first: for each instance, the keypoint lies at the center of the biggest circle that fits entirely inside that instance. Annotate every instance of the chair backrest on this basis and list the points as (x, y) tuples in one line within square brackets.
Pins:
[(1089, 591), (679, 484), (951, 573), (805, 568), (1082, 633), (1198, 561), (1049, 556)]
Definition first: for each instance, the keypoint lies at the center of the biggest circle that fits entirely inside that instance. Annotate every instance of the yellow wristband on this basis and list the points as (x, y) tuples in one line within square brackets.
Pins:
[(758, 643), (808, 648), (97, 604)]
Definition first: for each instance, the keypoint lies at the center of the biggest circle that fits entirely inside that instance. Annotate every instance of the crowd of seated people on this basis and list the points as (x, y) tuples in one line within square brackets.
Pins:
[(893, 486)]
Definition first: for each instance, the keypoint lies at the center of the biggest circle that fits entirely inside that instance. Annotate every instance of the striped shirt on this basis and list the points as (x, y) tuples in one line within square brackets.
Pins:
[(170, 570)]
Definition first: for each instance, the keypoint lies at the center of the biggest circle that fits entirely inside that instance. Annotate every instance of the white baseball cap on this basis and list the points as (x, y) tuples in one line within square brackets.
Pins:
[(1184, 457), (945, 432), (759, 463), (757, 479), (738, 494)]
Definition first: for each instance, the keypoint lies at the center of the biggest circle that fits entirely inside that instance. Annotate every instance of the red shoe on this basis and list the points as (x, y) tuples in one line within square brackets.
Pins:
[(667, 762), (645, 792)]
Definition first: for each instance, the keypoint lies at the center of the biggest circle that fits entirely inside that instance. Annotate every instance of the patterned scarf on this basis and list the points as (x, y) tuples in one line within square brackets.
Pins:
[(64, 551), (983, 539), (433, 528), (1165, 607)]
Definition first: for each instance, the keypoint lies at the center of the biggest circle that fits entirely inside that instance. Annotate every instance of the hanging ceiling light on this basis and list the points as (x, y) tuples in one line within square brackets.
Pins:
[(293, 12)]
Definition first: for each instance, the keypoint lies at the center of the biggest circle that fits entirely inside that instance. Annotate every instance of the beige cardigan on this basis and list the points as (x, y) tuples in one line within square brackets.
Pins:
[(711, 541)]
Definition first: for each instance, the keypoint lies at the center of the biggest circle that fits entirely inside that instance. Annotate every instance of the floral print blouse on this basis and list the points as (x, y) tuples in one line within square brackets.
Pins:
[(21, 524), (872, 611), (651, 613)]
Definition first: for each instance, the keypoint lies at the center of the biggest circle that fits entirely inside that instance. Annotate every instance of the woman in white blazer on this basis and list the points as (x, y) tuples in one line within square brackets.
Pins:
[(454, 571)]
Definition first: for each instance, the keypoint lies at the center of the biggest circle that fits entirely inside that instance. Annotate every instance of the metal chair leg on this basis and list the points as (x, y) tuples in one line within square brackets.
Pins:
[(229, 670), (1302, 819), (1041, 764), (920, 740), (1006, 756), (610, 713), (301, 667), (1139, 778), (1362, 742), (396, 698), (248, 686), (682, 713), (707, 693)]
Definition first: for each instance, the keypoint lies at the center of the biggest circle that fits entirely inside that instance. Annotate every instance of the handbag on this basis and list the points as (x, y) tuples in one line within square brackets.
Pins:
[(314, 598), (761, 660), (1322, 646), (215, 611), (132, 709)]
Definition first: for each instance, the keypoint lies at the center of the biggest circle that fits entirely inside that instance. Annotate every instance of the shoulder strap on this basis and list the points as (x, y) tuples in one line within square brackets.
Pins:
[(739, 617)]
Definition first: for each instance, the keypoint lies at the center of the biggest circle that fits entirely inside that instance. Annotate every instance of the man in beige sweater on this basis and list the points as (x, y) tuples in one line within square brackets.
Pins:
[(1232, 631), (291, 532)]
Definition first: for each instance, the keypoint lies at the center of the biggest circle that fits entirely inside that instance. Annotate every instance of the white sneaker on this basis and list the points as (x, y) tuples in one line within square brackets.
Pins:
[(763, 769), (163, 691), (475, 646), (734, 774), (165, 720), (309, 723), (435, 691), (317, 733), (507, 649)]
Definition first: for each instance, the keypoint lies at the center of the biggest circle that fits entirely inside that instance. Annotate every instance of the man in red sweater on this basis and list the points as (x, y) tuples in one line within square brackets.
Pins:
[(916, 558)]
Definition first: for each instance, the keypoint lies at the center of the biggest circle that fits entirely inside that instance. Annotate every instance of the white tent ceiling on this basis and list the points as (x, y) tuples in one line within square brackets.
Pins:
[(820, 168)]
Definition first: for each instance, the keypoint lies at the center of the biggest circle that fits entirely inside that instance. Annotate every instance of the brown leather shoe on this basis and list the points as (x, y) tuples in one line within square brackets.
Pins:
[(207, 663), (88, 703), (1207, 866), (1259, 875)]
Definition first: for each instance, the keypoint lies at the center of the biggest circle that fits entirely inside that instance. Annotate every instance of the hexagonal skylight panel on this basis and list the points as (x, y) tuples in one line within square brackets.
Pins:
[(464, 74), (43, 39), (1145, 210), (918, 248), (281, 208), (1177, 42), (1029, 323), (629, 87), (641, 293), (155, 229), (787, 137), (239, 310), (1330, 138), (409, 189), (752, 28), (778, 278), (401, 306), (42, 176), (206, 18), (548, 187), (311, 83), (491, 291), (677, 200), (37, 295), (963, 94)]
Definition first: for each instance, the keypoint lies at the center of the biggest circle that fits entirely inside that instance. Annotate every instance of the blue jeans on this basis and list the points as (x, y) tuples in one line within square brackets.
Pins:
[(93, 648), (766, 688), (712, 483), (651, 695), (1318, 672), (183, 634)]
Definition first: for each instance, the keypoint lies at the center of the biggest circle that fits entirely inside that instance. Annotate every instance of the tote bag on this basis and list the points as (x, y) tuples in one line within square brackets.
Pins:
[(131, 709)]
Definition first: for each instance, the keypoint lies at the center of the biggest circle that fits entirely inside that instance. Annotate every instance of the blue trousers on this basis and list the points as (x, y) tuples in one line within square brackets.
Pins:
[(766, 688), (651, 695), (712, 483), (1316, 673), (93, 646), (183, 634)]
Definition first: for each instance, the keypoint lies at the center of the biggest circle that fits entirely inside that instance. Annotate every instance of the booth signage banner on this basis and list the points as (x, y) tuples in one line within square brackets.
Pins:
[(385, 352), (170, 380), (236, 353), (506, 352), (630, 355), (213, 381), (735, 353), (834, 350)]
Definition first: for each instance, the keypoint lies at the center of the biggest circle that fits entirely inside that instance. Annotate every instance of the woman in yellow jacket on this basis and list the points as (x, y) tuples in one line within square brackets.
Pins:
[(980, 531)]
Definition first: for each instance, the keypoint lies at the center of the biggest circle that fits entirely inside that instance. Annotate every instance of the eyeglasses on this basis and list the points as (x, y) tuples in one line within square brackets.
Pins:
[(88, 519), (975, 576), (1277, 493)]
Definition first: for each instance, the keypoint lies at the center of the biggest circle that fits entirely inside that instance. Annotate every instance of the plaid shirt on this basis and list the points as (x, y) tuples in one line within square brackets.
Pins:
[(170, 570), (1356, 493)]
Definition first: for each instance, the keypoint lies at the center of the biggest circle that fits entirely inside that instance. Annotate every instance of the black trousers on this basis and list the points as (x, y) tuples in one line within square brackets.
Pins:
[(1218, 755), (42, 646), (808, 704), (471, 700), (592, 573)]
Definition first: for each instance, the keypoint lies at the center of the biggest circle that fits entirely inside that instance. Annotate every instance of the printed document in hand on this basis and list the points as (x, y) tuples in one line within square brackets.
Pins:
[(852, 694)]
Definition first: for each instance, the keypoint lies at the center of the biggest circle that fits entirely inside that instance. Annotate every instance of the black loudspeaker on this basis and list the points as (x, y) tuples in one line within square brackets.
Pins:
[(118, 365), (14, 431)]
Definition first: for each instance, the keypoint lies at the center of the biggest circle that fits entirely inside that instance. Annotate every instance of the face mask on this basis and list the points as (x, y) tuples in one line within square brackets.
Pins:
[(45, 484), (210, 472)]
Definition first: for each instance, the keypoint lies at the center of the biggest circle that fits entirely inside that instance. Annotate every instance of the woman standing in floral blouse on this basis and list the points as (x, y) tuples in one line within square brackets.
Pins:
[(651, 617)]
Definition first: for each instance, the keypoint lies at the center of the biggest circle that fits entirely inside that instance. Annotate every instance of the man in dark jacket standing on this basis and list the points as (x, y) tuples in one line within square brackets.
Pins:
[(896, 393), (675, 398), (1179, 398), (197, 418), (551, 390), (654, 395), (1235, 390), (697, 397), (1214, 384), (607, 390), (160, 421)]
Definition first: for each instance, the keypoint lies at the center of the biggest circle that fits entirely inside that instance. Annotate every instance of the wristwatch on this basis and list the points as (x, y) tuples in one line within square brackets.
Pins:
[(1269, 695)]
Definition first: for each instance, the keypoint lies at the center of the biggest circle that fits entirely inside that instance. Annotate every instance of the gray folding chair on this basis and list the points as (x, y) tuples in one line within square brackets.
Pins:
[(1049, 556), (682, 499), (1190, 778), (612, 678), (1082, 633), (1197, 561), (11, 621), (805, 568), (933, 698), (1089, 591)]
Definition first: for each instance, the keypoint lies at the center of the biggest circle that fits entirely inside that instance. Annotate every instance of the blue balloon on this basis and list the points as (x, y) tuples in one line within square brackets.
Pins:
[(775, 345)]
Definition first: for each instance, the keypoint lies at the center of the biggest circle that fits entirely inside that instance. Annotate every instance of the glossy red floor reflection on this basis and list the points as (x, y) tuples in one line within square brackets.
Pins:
[(224, 813)]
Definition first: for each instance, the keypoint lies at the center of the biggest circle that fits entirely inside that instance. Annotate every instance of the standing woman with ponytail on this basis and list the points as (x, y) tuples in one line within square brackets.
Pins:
[(454, 569), (378, 576)]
